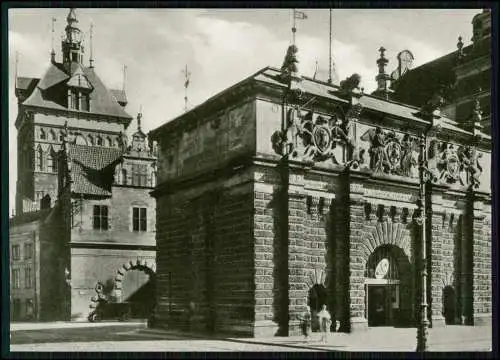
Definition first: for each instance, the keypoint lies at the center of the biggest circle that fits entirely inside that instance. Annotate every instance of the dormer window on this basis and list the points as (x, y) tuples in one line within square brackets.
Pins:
[(73, 99), (85, 99)]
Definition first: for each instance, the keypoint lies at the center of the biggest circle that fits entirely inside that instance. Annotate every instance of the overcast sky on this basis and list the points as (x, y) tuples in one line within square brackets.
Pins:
[(222, 47)]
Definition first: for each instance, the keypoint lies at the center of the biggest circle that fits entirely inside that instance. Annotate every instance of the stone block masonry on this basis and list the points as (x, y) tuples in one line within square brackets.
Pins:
[(206, 276)]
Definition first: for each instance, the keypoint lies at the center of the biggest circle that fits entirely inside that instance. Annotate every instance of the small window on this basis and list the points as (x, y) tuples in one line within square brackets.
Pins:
[(39, 159), (43, 135), (100, 217), (85, 102), (28, 251), (139, 219), (16, 252), (61, 136), (74, 99), (99, 141), (74, 57), (16, 278), (109, 143), (90, 140), (139, 175), (50, 163), (28, 278)]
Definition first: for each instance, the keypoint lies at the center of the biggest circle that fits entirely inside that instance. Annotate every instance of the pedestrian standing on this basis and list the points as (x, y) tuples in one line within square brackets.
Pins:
[(324, 322), (306, 323)]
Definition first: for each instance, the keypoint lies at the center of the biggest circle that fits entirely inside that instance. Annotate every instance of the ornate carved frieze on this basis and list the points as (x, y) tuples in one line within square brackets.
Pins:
[(315, 138), (391, 153), (398, 154), (452, 164)]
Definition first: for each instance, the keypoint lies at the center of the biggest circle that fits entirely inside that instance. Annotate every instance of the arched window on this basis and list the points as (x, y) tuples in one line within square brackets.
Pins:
[(116, 144), (124, 177), (90, 140), (99, 141), (61, 136), (39, 159), (43, 136), (109, 143)]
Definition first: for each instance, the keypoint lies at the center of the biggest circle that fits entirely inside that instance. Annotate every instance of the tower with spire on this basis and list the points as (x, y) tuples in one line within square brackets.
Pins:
[(77, 173), (68, 92)]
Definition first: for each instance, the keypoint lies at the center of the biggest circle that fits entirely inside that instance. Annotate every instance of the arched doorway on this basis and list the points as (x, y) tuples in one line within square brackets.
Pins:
[(136, 285), (387, 274), (449, 301), (317, 297)]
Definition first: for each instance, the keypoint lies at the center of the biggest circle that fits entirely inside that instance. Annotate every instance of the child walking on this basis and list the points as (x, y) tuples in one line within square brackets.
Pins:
[(306, 323)]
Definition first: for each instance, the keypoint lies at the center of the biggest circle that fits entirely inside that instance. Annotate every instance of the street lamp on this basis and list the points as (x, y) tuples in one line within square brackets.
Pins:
[(425, 175), (422, 222)]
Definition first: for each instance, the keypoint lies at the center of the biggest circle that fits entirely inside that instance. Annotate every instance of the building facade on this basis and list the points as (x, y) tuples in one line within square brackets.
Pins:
[(284, 192), (82, 196)]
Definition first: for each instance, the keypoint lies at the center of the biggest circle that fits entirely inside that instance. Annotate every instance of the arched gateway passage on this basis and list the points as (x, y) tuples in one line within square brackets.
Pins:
[(387, 280), (135, 283)]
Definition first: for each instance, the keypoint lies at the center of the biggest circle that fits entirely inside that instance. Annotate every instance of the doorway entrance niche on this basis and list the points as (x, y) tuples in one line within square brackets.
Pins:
[(387, 279), (316, 299)]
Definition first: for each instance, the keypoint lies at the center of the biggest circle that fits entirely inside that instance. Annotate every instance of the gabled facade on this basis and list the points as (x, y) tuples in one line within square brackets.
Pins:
[(91, 229)]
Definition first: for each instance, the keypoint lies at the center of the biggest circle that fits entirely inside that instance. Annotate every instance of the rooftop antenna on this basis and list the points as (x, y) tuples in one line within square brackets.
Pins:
[(330, 52), (53, 52), (91, 59), (187, 75), (124, 77)]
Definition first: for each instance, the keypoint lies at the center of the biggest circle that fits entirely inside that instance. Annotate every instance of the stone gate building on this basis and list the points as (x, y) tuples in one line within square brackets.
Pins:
[(283, 192)]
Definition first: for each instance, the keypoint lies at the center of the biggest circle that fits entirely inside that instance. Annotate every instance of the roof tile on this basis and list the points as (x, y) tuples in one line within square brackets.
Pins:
[(92, 168)]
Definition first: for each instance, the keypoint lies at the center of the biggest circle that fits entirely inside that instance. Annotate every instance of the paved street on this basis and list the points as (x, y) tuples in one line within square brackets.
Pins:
[(136, 337)]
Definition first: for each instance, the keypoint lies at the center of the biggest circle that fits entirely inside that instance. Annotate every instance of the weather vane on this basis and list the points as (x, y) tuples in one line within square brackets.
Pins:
[(187, 75)]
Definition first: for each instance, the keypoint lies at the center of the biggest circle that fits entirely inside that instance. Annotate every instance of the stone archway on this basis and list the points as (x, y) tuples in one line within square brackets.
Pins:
[(317, 294), (146, 265), (393, 238)]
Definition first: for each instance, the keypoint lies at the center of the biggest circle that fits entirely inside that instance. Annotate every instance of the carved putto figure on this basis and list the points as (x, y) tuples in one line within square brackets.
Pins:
[(409, 156), (470, 159), (377, 149)]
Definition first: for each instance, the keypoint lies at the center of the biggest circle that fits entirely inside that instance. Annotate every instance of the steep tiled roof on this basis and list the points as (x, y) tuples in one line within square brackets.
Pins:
[(92, 168), (23, 83), (103, 101)]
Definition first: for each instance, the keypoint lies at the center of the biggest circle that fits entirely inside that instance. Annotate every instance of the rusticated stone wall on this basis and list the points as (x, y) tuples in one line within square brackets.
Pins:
[(205, 264)]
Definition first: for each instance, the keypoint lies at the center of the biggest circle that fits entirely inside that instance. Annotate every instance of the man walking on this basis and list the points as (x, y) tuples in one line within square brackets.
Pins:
[(306, 323)]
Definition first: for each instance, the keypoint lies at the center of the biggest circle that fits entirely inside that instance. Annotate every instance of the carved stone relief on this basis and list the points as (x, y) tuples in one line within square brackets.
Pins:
[(398, 154), (315, 138)]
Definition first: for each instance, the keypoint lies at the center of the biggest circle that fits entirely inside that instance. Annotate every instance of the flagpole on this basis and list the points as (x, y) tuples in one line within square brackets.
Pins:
[(294, 29), (330, 52)]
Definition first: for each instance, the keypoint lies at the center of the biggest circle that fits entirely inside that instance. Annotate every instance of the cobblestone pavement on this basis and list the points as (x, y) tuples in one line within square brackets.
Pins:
[(136, 337)]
